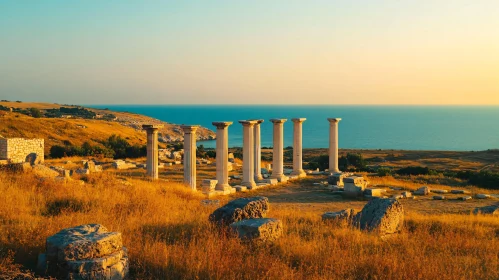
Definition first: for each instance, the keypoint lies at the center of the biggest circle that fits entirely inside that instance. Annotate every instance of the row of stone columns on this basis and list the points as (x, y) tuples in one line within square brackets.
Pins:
[(251, 151)]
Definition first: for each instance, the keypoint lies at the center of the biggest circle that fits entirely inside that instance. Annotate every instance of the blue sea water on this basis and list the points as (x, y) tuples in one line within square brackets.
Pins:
[(457, 128)]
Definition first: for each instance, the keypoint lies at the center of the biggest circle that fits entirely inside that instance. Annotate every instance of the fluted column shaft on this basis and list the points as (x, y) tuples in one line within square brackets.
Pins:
[(222, 155), (258, 151), (297, 147), (248, 154), (152, 150), (190, 155), (333, 144), (278, 150)]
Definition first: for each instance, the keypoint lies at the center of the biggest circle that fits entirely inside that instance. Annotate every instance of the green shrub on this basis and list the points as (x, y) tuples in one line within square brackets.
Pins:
[(384, 171)]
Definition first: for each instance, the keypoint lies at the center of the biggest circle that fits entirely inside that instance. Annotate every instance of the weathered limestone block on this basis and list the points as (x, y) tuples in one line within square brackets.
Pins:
[(487, 210), (440, 191), (260, 230), (464, 198), (82, 242), (374, 192), (438, 197), (354, 186), (337, 178), (208, 185), (240, 209), (422, 191), (459, 192), (381, 215), (407, 194), (343, 215), (44, 171), (482, 196)]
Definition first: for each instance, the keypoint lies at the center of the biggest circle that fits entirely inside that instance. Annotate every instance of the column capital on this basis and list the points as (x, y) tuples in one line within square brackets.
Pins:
[(221, 124), (152, 127), (298, 120), (189, 129), (259, 121), (278, 120), (247, 123), (334, 120)]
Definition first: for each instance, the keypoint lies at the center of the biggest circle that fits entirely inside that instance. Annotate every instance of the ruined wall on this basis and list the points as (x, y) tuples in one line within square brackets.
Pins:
[(17, 150)]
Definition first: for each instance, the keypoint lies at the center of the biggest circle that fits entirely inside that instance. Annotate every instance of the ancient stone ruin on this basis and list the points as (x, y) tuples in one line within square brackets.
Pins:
[(84, 252), (19, 150)]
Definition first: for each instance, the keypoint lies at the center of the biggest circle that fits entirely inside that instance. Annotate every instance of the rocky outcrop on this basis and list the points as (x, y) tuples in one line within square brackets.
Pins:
[(260, 230), (85, 252), (241, 209), (384, 216)]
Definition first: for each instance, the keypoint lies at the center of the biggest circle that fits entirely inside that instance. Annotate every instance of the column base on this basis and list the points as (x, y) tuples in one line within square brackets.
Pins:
[(223, 187), (280, 178), (300, 173), (249, 185), (258, 177)]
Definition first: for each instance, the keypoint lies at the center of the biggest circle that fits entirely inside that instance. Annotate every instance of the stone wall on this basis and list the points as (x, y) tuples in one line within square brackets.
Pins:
[(18, 150)]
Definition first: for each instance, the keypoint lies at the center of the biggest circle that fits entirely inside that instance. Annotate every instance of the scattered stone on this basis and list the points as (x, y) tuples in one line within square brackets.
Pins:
[(439, 191), (397, 196), (464, 198), (240, 188), (422, 191), (354, 185), (459, 192), (373, 192), (85, 252), (44, 171), (337, 178), (265, 171), (438, 197), (384, 216), (482, 196), (240, 209), (82, 171), (334, 188), (407, 194), (271, 182), (396, 188), (487, 210), (343, 215), (90, 165), (208, 185), (259, 230)]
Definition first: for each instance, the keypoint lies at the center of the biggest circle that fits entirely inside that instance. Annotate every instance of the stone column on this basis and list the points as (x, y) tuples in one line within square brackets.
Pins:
[(190, 155), (152, 149), (333, 144), (297, 147), (258, 152), (278, 152), (248, 154), (222, 156)]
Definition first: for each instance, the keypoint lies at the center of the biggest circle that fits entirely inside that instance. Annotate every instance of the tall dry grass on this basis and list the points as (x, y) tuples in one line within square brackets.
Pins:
[(166, 230)]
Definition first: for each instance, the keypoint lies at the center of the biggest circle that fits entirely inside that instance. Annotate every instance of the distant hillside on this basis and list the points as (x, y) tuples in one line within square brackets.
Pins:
[(77, 131)]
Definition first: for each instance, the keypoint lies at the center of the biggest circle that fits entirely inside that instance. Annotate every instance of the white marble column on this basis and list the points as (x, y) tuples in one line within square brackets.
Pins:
[(152, 149), (297, 147), (190, 155), (278, 151), (333, 144), (258, 151), (248, 154), (222, 155)]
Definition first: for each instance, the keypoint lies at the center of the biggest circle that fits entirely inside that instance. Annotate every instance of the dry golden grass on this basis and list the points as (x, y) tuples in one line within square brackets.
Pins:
[(166, 230)]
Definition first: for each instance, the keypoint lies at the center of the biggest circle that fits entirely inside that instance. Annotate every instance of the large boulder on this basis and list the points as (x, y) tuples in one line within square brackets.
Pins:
[(262, 230), (241, 209), (381, 215), (422, 191), (343, 215), (85, 252), (487, 210)]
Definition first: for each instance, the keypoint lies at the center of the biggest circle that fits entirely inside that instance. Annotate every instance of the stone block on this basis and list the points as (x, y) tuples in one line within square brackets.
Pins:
[(343, 215), (208, 185), (407, 194), (487, 210), (241, 188), (374, 192), (464, 198), (384, 216), (438, 197), (422, 191), (459, 192), (240, 209), (440, 191), (82, 171), (259, 229), (482, 196), (272, 182)]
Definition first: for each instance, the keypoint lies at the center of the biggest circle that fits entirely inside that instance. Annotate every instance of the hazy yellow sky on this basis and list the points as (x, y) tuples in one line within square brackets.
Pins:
[(250, 52)]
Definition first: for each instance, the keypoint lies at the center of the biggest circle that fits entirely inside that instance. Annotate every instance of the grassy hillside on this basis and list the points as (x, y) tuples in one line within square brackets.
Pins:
[(55, 131), (167, 232)]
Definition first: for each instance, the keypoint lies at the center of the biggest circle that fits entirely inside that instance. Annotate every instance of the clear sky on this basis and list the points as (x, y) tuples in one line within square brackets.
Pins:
[(250, 52)]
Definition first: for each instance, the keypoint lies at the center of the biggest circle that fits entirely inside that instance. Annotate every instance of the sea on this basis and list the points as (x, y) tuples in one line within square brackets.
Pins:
[(444, 128)]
